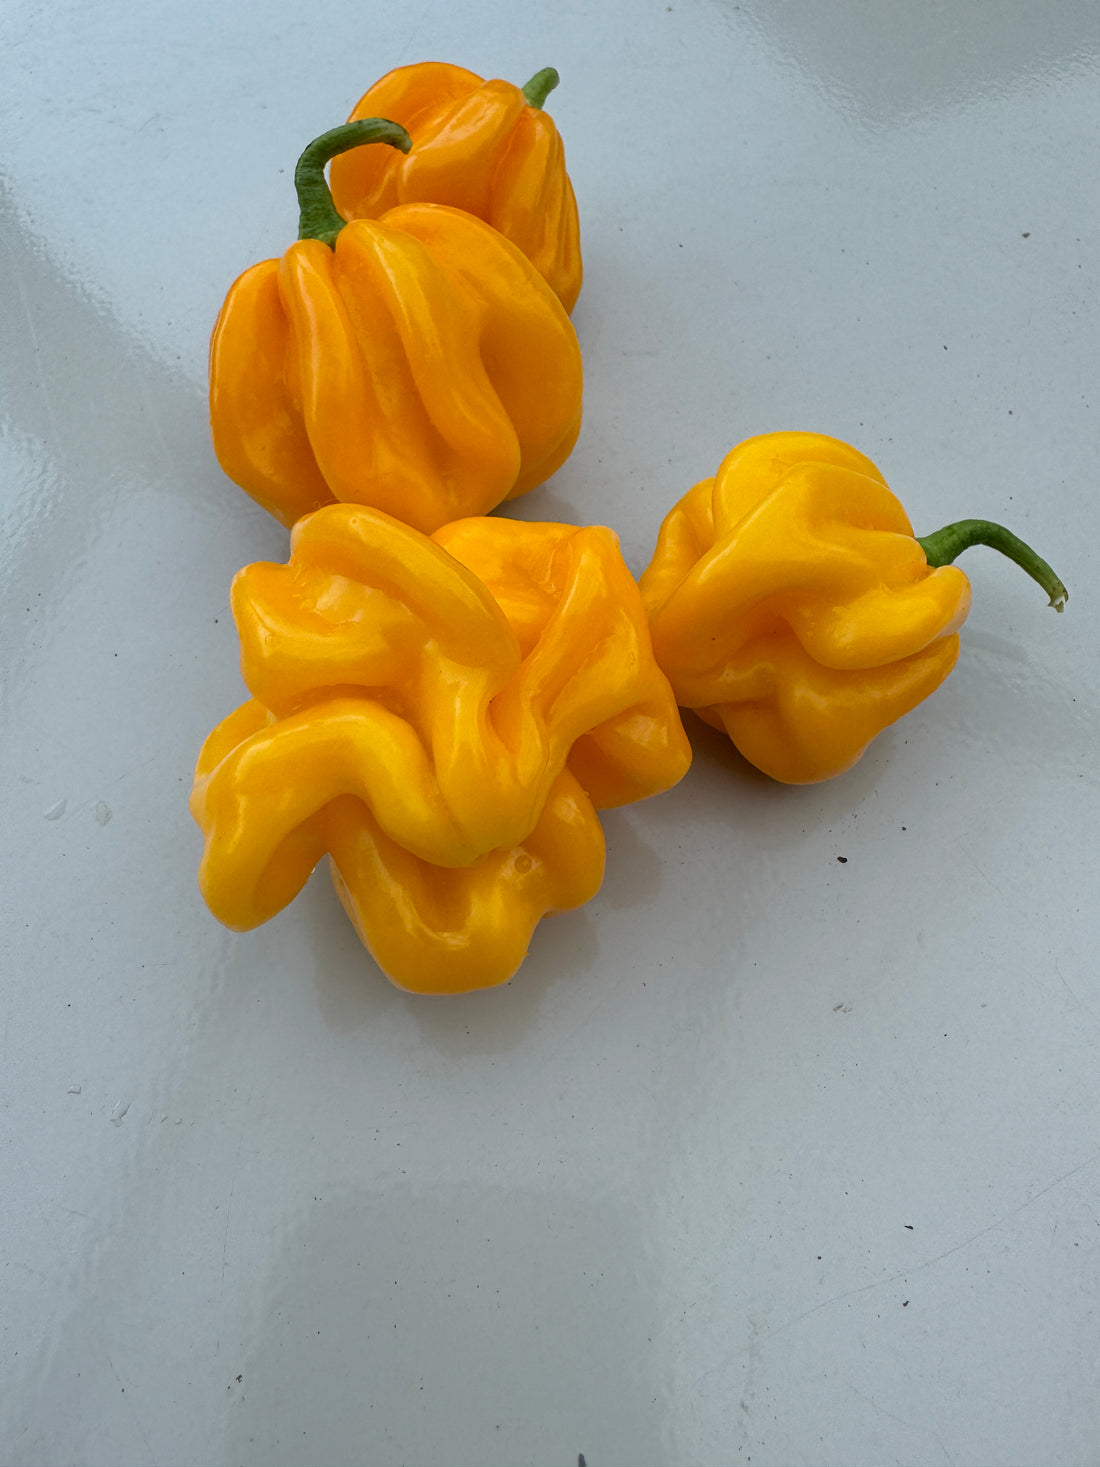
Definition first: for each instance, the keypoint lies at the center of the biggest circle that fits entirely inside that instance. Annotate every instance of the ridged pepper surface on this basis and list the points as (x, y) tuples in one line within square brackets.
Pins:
[(483, 146), (447, 739), (792, 606), (416, 362)]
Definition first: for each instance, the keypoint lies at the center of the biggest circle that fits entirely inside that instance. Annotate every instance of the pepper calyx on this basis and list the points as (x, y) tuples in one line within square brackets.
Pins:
[(318, 217), (540, 86), (942, 547)]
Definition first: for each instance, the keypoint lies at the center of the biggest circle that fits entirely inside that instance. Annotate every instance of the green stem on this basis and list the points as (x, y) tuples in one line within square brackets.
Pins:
[(945, 545), (540, 86), (318, 217)]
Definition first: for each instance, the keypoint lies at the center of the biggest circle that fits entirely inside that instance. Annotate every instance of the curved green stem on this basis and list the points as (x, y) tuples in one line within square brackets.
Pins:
[(942, 547), (540, 86), (318, 217)]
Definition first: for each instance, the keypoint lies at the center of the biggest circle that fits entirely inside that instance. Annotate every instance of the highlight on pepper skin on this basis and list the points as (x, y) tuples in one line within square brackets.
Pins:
[(792, 606), (487, 147), (447, 739)]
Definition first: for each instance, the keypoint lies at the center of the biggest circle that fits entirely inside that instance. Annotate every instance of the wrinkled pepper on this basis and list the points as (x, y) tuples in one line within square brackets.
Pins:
[(443, 717), (483, 146), (416, 362), (792, 606)]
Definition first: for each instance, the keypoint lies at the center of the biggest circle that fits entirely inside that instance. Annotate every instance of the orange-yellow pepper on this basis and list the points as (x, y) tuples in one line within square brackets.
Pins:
[(447, 739), (416, 362), (792, 606), (483, 146)]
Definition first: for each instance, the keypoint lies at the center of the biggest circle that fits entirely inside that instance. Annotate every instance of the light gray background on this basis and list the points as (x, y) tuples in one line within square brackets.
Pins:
[(762, 1157)]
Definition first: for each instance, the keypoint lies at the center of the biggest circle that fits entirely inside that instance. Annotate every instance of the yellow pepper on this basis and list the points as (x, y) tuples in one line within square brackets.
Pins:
[(417, 362), (792, 606), (446, 739), (483, 146)]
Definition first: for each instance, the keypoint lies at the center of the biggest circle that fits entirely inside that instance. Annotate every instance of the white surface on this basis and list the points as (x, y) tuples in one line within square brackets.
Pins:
[(761, 1157)]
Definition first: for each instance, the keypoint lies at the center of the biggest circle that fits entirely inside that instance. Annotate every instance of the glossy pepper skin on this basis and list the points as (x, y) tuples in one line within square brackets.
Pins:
[(477, 145), (416, 362), (792, 606), (446, 739)]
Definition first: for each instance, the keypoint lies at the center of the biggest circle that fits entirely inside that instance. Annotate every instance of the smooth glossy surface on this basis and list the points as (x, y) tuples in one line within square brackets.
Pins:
[(420, 365), (769, 1154), (444, 720), (792, 608), (481, 147)]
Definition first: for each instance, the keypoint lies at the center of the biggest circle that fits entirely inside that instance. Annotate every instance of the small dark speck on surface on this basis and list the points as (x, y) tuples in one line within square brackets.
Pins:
[(843, 860), (909, 1227), (905, 1303), (1026, 234)]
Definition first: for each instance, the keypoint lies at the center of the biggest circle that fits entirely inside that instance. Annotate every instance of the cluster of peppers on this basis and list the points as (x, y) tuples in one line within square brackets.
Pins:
[(442, 700)]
